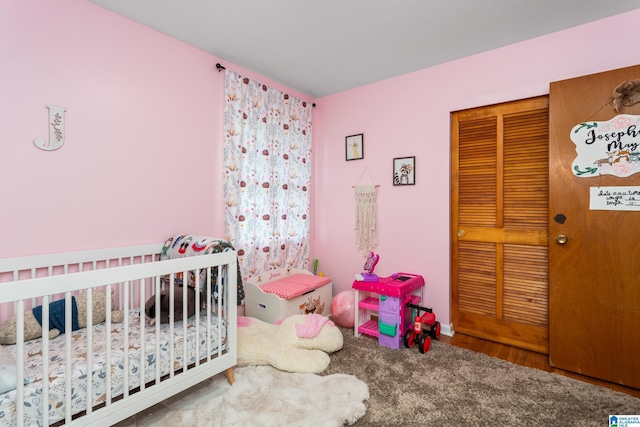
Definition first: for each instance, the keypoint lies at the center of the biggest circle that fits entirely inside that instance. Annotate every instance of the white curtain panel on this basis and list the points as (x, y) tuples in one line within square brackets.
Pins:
[(267, 175)]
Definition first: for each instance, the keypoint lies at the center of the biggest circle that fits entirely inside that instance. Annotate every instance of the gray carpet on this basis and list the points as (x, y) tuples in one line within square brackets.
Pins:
[(453, 386)]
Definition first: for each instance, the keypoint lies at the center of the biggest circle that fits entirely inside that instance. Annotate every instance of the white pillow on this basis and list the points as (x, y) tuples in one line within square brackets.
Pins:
[(8, 371)]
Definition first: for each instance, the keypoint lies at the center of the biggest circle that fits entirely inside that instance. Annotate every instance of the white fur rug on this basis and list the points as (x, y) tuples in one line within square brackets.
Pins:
[(263, 396)]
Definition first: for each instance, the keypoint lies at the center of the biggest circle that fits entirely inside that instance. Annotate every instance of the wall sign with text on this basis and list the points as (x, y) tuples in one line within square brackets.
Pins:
[(607, 148), (614, 198)]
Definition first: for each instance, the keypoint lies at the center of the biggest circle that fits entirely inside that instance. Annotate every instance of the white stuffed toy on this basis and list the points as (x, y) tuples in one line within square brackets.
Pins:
[(300, 343)]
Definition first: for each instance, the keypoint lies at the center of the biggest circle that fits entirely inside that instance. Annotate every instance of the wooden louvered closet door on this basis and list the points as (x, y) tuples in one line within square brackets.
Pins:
[(500, 186)]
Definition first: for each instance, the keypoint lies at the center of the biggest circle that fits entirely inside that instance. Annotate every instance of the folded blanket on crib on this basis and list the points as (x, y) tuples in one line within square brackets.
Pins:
[(56, 315), (183, 245)]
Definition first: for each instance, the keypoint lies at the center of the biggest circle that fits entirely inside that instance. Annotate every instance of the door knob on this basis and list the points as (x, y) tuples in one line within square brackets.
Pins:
[(561, 239), (461, 233)]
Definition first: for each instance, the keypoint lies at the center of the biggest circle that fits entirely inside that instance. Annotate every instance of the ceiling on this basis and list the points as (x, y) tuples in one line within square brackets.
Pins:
[(321, 47)]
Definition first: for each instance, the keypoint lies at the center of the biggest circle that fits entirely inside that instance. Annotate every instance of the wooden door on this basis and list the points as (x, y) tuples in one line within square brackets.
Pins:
[(500, 221), (594, 277)]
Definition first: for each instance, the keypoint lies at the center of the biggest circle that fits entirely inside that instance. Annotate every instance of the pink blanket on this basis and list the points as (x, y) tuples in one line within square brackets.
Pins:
[(295, 285)]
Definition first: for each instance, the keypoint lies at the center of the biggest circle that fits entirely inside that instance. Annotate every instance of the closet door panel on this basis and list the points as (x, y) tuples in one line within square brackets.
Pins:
[(499, 222)]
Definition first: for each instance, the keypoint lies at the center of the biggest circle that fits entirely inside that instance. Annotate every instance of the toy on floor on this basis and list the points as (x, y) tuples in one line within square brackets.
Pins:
[(424, 329), (367, 275), (342, 308), (33, 318), (388, 297), (300, 343)]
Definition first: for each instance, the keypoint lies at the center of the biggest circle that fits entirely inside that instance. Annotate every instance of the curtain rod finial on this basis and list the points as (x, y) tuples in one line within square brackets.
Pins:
[(220, 67)]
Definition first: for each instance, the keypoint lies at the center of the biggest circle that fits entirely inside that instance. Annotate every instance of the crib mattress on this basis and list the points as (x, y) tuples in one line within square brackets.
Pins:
[(33, 365)]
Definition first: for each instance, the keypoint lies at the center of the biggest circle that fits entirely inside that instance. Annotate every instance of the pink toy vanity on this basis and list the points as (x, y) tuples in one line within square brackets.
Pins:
[(388, 297)]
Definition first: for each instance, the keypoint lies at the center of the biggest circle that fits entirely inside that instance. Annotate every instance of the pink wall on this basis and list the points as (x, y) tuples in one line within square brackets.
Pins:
[(144, 137), (143, 151), (410, 116)]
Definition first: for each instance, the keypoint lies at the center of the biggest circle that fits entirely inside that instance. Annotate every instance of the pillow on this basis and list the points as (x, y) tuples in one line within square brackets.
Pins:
[(8, 371)]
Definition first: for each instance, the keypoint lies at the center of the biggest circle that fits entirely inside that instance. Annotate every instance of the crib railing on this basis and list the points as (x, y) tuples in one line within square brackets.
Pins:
[(133, 275), (31, 267)]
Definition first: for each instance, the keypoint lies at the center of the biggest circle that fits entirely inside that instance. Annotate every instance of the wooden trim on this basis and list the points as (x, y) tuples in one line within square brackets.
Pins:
[(532, 338), (504, 235)]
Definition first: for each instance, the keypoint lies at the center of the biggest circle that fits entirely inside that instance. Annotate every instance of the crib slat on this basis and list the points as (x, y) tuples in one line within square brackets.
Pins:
[(185, 315), (157, 324), (89, 375), (143, 371), (171, 323), (45, 360), (209, 286), (198, 289), (68, 376), (125, 344), (20, 362), (221, 298), (108, 346)]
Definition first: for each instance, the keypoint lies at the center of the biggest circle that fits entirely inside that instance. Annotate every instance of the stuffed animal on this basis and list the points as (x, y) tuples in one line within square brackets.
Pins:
[(300, 343), (33, 327), (178, 301)]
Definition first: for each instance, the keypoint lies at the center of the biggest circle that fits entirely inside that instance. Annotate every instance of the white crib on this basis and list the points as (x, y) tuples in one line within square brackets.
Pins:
[(105, 373)]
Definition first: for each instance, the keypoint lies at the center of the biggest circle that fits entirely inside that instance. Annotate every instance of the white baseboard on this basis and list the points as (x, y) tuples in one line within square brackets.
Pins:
[(447, 330)]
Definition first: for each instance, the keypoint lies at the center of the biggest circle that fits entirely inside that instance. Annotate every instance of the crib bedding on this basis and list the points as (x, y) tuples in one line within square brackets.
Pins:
[(33, 364), (185, 245), (8, 371)]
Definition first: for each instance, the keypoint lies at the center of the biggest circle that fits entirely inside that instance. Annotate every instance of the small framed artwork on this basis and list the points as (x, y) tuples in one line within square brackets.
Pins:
[(404, 171), (354, 145)]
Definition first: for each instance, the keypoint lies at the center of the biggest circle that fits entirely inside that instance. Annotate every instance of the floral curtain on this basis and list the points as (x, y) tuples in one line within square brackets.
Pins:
[(267, 167)]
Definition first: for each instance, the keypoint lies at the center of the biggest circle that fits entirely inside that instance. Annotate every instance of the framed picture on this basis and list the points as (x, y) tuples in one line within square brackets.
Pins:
[(404, 171), (354, 146)]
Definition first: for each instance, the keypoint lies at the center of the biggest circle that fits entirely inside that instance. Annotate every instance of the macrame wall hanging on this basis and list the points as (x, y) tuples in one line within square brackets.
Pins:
[(366, 217)]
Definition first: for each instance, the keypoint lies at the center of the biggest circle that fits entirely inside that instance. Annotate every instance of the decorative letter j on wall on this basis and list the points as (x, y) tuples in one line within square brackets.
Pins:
[(56, 129)]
